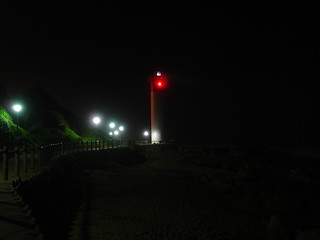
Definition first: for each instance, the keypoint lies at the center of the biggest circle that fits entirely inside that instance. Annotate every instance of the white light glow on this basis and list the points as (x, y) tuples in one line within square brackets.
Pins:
[(17, 107), (112, 125), (121, 128), (96, 120), (155, 136)]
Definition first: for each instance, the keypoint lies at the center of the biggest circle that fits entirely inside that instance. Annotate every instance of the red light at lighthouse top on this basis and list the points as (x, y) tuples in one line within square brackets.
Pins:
[(160, 81)]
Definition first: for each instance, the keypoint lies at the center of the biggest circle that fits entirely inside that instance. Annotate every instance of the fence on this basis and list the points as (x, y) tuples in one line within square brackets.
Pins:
[(23, 161)]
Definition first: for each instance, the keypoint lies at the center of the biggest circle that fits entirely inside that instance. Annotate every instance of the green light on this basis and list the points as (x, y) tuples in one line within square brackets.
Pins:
[(112, 125)]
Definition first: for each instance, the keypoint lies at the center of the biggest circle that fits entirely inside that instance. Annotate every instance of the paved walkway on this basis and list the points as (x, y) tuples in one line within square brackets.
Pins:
[(160, 200), (16, 222)]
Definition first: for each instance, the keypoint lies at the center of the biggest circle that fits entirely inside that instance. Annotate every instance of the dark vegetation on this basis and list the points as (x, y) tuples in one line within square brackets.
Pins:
[(42, 121), (10, 134), (54, 195)]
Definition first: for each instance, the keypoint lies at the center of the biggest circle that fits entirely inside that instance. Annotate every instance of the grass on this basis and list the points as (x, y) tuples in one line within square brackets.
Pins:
[(50, 128), (10, 133)]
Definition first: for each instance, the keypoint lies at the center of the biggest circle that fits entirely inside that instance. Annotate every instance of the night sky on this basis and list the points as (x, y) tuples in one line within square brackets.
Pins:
[(244, 74)]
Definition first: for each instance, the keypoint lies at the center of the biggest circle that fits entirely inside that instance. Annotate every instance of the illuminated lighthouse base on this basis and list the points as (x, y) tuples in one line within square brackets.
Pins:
[(155, 136)]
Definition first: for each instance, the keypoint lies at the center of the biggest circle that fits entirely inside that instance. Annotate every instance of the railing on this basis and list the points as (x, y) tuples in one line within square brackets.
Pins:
[(23, 161)]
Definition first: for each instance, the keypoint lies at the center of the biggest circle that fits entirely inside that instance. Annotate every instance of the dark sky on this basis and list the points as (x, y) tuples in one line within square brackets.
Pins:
[(242, 73)]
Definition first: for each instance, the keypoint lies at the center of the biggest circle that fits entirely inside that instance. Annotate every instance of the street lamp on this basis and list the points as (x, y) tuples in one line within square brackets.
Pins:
[(112, 125), (96, 120), (17, 108), (111, 134), (146, 134), (121, 128)]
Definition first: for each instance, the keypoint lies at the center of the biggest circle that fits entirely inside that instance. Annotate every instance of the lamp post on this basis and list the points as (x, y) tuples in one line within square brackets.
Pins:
[(112, 125), (96, 120), (121, 129), (146, 134), (17, 108), (111, 134)]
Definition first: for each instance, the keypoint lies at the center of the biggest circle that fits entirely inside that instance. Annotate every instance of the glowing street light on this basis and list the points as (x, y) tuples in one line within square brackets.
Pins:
[(112, 125), (121, 128), (116, 132), (111, 134), (17, 108), (96, 120), (146, 135)]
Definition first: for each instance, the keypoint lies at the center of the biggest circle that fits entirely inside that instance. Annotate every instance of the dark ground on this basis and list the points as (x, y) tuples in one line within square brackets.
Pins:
[(190, 192)]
